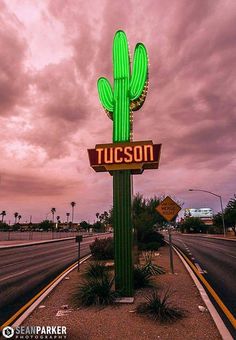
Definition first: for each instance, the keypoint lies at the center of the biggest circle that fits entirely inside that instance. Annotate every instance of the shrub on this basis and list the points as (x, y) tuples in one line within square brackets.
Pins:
[(150, 267), (153, 236), (95, 270), (149, 246), (158, 307), (95, 292), (142, 278), (102, 249)]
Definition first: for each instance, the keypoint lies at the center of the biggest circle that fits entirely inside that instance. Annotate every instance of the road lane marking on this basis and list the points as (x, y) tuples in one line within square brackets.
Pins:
[(13, 275), (223, 330), (30, 302), (220, 303), (202, 271)]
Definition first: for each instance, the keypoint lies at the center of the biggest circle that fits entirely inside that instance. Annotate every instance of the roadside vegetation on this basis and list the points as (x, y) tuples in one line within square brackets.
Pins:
[(229, 216), (96, 288), (196, 225), (158, 307)]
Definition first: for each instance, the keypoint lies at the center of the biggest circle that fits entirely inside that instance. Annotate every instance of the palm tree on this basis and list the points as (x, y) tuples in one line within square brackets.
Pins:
[(19, 217), (97, 215), (58, 219), (67, 217), (3, 213), (16, 215), (72, 207), (53, 210)]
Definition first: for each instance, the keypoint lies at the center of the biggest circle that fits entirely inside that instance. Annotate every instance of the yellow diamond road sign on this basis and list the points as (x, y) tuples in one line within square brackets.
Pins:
[(168, 208)]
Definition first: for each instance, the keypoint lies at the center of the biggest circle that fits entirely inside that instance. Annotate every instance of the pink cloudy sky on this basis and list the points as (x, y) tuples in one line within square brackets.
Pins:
[(51, 54)]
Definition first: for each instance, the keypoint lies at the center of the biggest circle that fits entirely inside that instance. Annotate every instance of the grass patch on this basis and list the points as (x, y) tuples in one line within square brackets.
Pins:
[(158, 307)]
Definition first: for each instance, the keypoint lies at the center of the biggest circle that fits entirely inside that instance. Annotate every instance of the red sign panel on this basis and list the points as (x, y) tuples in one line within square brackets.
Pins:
[(134, 156)]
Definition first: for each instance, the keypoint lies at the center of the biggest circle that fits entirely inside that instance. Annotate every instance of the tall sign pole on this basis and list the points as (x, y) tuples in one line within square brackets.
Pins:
[(123, 157), (127, 94)]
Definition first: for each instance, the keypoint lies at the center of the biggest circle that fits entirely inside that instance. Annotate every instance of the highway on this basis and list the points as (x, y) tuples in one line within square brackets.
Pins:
[(216, 261), (24, 271)]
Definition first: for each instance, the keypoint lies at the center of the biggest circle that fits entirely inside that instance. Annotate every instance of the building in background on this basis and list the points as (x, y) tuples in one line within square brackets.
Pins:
[(205, 214)]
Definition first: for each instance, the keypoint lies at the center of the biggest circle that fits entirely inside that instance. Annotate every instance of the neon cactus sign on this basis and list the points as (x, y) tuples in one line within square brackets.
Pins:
[(129, 90), (124, 157)]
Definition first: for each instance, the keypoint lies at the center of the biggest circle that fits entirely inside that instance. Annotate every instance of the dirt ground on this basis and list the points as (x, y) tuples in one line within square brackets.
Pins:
[(120, 322)]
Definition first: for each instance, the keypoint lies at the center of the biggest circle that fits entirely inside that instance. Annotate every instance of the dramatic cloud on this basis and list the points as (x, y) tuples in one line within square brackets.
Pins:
[(51, 55)]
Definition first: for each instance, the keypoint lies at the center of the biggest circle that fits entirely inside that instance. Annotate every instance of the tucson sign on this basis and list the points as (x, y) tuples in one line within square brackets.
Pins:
[(134, 156), (123, 158)]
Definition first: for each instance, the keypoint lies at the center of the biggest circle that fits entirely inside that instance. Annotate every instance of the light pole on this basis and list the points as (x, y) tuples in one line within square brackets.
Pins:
[(222, 212)]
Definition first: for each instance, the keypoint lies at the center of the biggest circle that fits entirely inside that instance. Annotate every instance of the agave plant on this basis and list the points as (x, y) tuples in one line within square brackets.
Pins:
[(158, 307), (95, 291), (150, 267), (95, 270), (142, 278)]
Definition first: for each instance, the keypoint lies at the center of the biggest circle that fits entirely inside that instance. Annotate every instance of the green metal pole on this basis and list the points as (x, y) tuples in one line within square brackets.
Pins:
[(123, 232)]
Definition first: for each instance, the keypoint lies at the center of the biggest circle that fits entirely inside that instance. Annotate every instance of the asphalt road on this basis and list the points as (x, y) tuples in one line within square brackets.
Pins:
[(24, 271), (216, 261)]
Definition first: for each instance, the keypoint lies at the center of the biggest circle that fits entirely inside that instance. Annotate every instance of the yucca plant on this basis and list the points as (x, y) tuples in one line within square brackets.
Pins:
[(150, 267), (142, 278), (95, 291), (158, 307), (95, 270)]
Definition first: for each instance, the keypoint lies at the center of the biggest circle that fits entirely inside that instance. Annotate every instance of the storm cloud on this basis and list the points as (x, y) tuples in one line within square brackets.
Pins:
[(51, 55)]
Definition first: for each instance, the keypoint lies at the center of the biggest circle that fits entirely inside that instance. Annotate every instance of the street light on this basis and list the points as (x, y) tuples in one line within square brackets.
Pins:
[(222, 212)]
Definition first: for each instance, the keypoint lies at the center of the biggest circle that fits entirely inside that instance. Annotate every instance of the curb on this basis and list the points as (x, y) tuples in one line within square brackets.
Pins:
[(213, 312), (45, 241), (34, 243), (42, 295)]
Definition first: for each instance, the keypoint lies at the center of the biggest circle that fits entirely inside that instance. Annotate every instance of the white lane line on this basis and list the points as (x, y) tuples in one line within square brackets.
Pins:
[(13, 275), (201, 271), (214, 314), (30, 309)]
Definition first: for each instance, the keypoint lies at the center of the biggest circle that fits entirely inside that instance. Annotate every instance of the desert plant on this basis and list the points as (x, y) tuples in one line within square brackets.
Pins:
[(150, 267), (95, 270), (102, 249), (95, 291), (142, 278), (158, 307)]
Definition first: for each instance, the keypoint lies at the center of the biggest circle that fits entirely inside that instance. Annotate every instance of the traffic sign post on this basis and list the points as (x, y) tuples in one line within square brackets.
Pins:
[(169, 209), (78, 239)]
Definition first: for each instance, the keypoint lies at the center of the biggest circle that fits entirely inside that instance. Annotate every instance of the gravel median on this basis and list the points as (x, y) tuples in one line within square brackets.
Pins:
[(120, 322)]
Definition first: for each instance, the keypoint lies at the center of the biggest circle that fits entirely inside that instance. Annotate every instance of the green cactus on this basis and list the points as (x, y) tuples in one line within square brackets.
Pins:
[(129, 91), (127, 95)]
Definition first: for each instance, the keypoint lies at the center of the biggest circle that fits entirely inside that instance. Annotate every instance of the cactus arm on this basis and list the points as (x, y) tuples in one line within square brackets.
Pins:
[(139, 72), (105, 94), (121, 72), (121, 62)]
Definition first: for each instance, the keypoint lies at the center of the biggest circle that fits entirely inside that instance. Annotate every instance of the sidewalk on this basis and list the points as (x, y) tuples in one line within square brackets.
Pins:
[(120, 322)]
